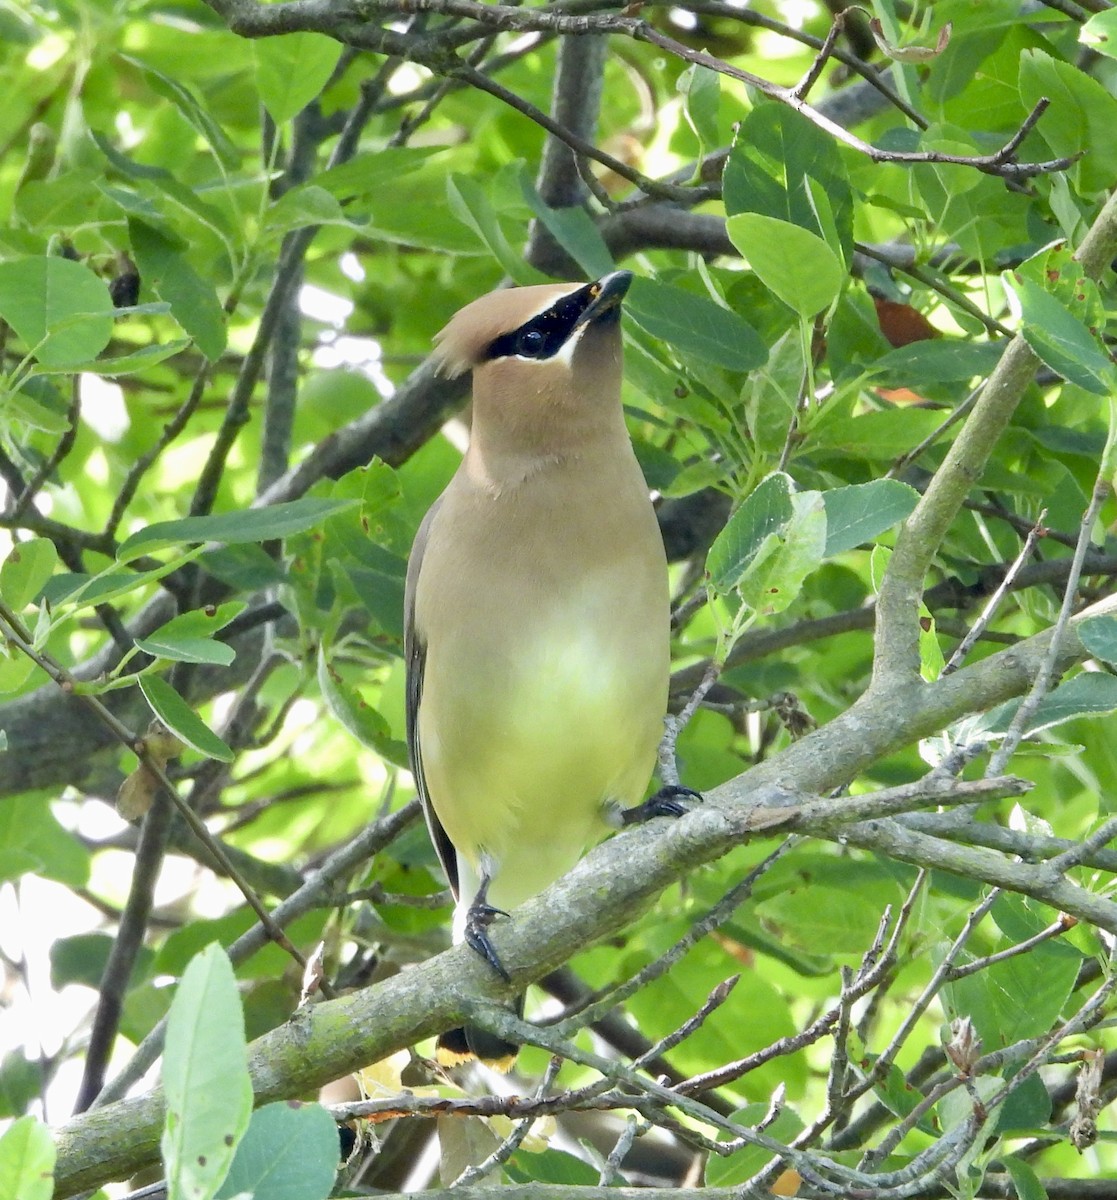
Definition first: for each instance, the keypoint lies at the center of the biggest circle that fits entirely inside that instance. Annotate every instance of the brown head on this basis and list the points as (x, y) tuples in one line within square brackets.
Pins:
[(546, 364)]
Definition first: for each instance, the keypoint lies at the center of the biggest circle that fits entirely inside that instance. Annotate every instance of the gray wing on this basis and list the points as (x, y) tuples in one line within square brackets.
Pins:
[(415, 653)]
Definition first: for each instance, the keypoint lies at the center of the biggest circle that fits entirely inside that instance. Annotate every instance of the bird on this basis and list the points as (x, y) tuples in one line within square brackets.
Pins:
[(537, 622)]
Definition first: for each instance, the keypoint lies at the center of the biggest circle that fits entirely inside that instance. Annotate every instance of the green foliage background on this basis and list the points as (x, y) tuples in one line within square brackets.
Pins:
[(145, 138)]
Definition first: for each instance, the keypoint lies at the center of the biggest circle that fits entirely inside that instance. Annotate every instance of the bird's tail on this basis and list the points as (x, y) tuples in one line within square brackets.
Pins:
[(468, 1042)]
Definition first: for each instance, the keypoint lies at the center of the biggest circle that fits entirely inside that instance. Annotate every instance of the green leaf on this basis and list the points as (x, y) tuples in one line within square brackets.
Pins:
[(164, 268), (350, 709), (877, 436), (742, 1166), (1100, 33), (1026, 1108), (19, 406), (695, 325), (15, 670), (82, 958), (1060, 338), (20, 1083), (931, 658), (382, 593), (701, 91), (1020, 997), (124, 364), (895, 1092), (248, 525), (841, 919), (292, 70), (856, 514), (189, 636), (31, 839), (823, 210), (205, 1078), (573, 229), (27, 1157), (554, 1167), (1021, 917), (773, 580), (795, 264), (159, 182), (470, 204), (372, 170), (778, 157), (61, 311), (765, 512), (201, 622), (416, 214), (26, 569), (193, 109), (1082, 116), (935, 361), (73, 590), (307, 204), (245, 568), (1056, 271), (1099, 636), (188, 649), (1024, 1180), (181, 719), (1088, 694), (290, 1152)]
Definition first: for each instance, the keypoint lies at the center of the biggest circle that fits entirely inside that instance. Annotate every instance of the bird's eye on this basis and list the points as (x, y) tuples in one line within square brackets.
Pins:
[(530, 343)]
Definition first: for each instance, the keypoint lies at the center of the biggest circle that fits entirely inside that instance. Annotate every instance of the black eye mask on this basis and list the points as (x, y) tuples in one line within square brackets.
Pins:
[(543, 336)]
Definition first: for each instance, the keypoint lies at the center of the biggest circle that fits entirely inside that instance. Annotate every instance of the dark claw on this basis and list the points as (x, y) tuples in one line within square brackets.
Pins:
[(478, 920), (667, 802)]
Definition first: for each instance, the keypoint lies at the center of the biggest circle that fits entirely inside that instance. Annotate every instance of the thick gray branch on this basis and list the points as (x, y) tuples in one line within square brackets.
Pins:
[(575, 103), (897, 643), (607, 890)]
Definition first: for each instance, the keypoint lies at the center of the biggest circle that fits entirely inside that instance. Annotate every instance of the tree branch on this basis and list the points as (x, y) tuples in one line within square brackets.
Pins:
[(326, 1041), (897, 639)]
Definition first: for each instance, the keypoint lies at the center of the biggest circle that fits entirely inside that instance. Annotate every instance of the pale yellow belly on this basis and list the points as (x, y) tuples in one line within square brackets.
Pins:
[(522, 750)]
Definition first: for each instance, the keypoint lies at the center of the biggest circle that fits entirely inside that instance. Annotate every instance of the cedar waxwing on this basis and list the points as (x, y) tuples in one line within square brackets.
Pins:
[(537, 611)]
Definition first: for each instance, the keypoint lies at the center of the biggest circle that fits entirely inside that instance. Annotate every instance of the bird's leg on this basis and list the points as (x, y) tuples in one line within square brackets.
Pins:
[(480, 916), (669, 801)]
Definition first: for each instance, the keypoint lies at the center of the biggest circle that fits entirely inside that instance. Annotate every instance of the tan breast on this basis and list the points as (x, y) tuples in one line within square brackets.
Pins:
[(547, 656)]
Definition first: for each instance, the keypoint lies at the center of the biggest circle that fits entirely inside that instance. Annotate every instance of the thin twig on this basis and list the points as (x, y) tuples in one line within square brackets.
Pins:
[(21, 640), (611, 1168), (61, 450), (318, 884), (712, 1003), (718, 915), (979, 964), (1046, 674), (978, 628), (650, 187), (140, 467), (1083, 851), (1031, 847), (117, 975), (675, 723), (512, 1142), (883, 1063), (900, 466), (802, 89), (932, 279), (875, 965)]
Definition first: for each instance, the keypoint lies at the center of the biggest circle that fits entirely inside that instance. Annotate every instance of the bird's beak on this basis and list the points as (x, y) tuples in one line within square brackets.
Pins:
[(604, 296)]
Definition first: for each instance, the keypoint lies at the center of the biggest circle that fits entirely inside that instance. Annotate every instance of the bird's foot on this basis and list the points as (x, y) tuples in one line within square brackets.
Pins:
[(669, 801), (480, 916)]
